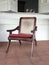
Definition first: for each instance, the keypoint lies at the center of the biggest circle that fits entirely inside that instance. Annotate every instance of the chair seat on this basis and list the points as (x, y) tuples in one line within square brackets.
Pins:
[(21, 35)]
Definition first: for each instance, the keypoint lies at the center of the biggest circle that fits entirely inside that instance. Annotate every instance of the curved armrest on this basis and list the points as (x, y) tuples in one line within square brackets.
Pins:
[(35, 29), (17, 28)]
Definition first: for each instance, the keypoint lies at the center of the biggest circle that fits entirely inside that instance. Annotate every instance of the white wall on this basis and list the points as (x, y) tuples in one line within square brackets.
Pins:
[(43, 6), (43, 29), (7, 5), (11, 20)]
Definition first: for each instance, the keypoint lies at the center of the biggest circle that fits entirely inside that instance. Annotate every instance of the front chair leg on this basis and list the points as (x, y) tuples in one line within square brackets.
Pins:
[(35, 42), (32, 50), (8, 46), (32, 47)]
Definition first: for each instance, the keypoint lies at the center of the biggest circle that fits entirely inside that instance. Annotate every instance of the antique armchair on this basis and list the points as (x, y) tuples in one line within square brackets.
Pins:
[(26, 31)]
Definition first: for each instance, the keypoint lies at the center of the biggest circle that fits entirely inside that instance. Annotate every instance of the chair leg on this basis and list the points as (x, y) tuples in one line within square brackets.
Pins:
[(32, 48), (20, 42), (8, 46), (35, 42)]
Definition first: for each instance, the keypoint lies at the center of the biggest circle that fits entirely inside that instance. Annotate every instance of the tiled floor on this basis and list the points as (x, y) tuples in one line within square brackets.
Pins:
[(21, 55)]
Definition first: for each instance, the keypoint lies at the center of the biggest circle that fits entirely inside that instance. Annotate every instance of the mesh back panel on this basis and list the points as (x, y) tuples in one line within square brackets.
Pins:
[(27, 25)]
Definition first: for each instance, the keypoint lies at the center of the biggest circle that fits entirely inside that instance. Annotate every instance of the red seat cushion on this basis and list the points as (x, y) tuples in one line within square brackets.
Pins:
[(21, 35)]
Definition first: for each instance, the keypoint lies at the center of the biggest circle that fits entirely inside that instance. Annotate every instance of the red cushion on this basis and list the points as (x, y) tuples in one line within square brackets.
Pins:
[(21, 35)]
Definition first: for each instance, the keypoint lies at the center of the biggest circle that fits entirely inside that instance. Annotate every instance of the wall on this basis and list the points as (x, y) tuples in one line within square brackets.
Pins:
[(9, 5), (43, 6), (11, 20)]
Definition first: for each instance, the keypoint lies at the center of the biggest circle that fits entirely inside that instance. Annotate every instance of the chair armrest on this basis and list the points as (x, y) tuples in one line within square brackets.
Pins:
[(35, 29), (17, 28)]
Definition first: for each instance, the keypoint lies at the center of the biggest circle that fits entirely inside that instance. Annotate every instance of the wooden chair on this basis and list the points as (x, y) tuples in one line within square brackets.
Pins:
[(27, 27)]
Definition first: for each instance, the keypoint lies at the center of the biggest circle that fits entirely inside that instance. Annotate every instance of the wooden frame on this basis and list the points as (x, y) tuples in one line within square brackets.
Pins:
[(28, 38)]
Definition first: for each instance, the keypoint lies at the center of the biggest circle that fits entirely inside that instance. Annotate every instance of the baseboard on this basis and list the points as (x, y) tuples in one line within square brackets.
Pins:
[(17, 41)]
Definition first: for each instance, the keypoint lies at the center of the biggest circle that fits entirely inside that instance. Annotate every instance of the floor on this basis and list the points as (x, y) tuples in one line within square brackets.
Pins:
[(20, 55)]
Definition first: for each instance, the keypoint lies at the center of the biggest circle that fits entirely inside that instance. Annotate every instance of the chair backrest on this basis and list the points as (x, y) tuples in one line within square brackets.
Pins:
[(27, 24)]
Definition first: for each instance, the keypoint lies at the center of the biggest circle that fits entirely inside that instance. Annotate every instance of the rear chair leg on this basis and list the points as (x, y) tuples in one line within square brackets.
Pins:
[(8, 46), (20, 42)]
